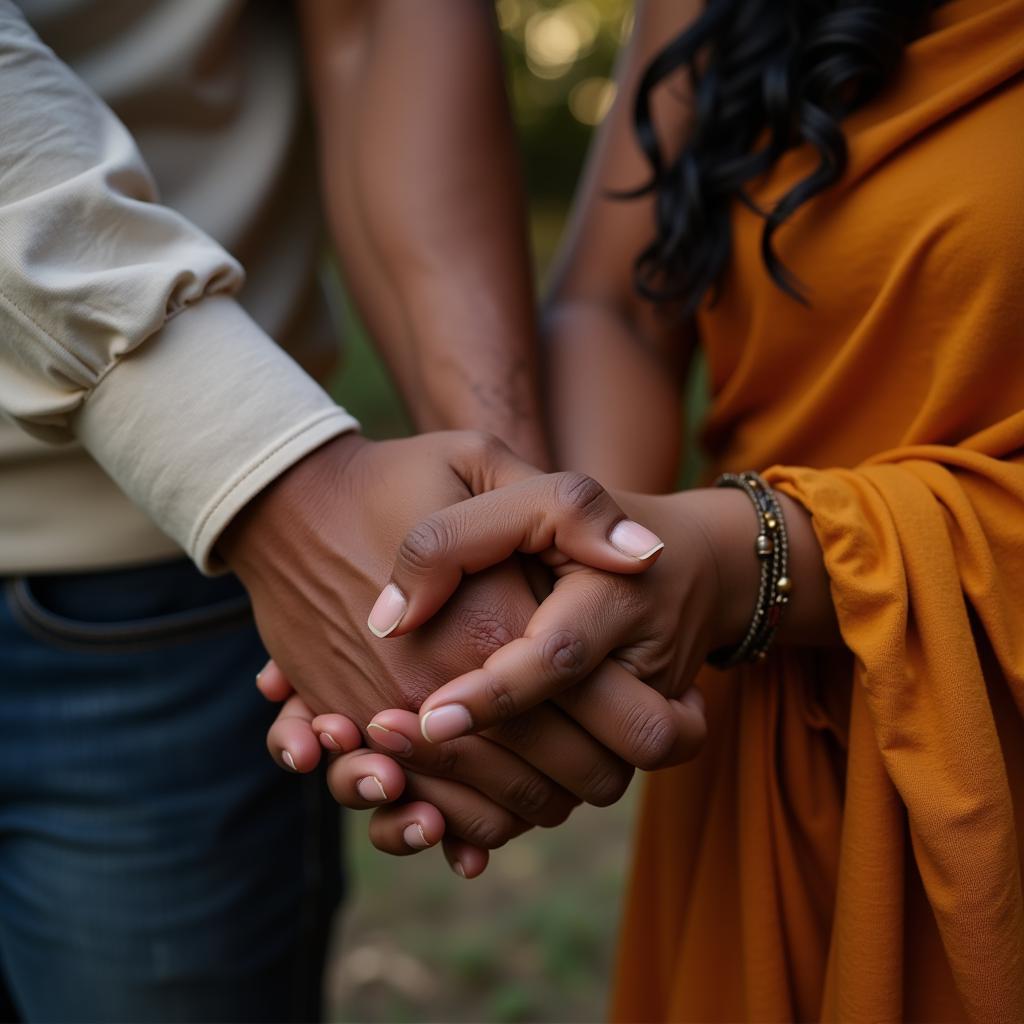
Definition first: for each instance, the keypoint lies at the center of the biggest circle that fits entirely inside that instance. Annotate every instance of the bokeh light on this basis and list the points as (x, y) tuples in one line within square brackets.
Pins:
[(556, 39), (591, 99), (558, 54)]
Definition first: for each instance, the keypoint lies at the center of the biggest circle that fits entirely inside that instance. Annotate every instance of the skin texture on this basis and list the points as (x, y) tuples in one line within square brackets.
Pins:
[(614, 365), (421, 183), (698, 596), (435, 261), (616, 368), (313, 551)]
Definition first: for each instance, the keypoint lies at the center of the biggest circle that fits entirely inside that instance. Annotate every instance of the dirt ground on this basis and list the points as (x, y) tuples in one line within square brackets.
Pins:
[(530, 940)]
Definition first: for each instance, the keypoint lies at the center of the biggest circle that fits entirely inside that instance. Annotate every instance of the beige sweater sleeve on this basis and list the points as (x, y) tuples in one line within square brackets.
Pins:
[(116, 322)]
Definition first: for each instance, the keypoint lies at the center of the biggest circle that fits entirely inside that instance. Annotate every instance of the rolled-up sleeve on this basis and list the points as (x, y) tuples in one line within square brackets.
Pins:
[(117, 324)]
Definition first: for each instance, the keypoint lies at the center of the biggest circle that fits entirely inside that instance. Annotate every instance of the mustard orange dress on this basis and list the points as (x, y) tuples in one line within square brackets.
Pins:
[(848, 846)]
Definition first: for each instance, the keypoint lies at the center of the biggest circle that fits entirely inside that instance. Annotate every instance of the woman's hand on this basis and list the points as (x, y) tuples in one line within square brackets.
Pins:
[(658, 626)]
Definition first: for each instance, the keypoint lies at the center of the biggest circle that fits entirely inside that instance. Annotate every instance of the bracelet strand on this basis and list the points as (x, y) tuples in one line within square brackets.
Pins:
[(772, 549)]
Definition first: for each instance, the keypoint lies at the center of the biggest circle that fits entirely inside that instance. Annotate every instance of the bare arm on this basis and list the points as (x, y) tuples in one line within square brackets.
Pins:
[(616, 366), (425, 200)]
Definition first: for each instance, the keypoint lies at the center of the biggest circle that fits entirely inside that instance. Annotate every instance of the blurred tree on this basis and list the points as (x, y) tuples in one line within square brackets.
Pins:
[(559, 57)]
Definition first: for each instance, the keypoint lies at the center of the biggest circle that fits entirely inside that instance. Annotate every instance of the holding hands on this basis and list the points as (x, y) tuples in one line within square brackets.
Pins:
[(572, 694)]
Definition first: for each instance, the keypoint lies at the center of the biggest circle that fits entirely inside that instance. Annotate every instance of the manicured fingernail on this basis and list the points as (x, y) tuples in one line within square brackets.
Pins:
[(288, 760), (389, 739), (371, 789), (329, 741), (459, 869), (388, 611), (446, 723), (635, 540), (415, 837)]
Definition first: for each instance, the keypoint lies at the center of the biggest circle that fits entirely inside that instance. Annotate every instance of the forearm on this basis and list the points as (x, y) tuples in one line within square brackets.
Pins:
[(613, 403), (116, 325), (426, 207)]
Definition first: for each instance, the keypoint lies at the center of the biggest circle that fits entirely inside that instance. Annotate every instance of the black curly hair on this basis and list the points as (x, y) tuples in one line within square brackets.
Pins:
[(767, 75)]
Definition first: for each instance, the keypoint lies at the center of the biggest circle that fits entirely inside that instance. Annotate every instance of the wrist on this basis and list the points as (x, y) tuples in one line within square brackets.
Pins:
[(521, 427), (271, 514), (494, 389), (727, 520), (729, 526)]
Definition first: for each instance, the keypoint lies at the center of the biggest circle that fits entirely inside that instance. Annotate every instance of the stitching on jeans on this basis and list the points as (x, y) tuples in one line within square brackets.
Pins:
[(201, 527), (180, 627)]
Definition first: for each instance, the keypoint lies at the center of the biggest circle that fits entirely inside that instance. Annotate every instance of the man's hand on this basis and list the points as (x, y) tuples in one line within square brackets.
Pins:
[(314, 551)]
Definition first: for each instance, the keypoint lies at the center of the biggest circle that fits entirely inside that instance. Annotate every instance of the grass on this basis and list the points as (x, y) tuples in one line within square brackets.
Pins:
[(530, 940)]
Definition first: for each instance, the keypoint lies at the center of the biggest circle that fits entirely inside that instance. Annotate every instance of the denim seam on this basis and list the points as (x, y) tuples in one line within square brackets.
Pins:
[(161, 631)]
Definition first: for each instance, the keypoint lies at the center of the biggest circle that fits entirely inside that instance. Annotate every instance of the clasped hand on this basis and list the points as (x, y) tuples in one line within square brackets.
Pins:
[(502, 713)]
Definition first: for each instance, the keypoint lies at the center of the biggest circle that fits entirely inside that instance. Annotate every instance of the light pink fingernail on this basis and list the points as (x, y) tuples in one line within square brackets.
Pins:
[(288, 760), (388, 611), (371, 789), (447, 723), (415, 837), (635, 540), (459, 869), (389, 739), (329, 741)]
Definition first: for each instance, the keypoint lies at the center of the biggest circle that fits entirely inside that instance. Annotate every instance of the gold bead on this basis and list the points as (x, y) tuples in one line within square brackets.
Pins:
[(770, 522), (784, 585), (764, 545)]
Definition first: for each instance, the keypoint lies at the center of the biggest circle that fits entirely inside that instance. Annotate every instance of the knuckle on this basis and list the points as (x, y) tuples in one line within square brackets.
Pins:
[(482, 445), (447, 758), (632, 599), (517, 734), (562, 654), (527, 795), (650, 737), (501, 698), (606, 782), (577, 492), (423, 545), (486, 831)]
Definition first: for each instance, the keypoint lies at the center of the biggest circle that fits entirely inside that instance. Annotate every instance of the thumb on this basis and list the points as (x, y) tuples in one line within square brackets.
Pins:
[(567, 511)]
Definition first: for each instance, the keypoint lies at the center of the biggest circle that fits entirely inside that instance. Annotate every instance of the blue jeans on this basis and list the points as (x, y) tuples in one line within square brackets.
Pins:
[(155, 865)]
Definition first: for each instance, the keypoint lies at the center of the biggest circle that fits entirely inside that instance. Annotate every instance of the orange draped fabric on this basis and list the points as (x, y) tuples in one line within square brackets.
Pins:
[(848, 846)]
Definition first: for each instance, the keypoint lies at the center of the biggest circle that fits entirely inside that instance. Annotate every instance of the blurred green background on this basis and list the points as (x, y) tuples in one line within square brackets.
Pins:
[(532, 939)]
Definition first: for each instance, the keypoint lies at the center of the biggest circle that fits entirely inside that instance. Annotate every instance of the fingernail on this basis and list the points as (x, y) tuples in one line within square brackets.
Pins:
[(288, 760), (415, 837), (459, 869), (371, 789), (446, 723), (635, 540), (389, 739), (329, 741), (388, 611)]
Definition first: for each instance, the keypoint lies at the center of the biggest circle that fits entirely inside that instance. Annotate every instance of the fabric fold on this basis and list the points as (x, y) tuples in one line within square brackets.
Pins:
[(924, 550)]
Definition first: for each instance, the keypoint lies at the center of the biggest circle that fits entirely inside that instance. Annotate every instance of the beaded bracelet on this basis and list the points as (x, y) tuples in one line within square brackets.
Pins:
[(772, 548)]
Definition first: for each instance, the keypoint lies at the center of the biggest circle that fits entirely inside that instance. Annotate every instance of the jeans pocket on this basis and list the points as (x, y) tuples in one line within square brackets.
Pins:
[(184, 615)]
